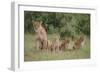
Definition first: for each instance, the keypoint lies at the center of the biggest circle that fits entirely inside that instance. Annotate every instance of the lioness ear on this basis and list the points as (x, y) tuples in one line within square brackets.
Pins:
[(32, 21), (41, 22)]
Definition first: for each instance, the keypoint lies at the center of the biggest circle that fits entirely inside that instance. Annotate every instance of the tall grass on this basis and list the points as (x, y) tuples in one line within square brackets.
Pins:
[(32, 54)]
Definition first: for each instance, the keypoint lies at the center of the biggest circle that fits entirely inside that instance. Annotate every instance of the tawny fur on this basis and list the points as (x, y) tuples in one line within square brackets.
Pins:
[(64, 45), (79, 43), (55, 44), (41, 35)]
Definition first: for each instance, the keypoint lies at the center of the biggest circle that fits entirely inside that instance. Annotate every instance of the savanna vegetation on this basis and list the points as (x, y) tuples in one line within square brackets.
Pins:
[(67, 25)]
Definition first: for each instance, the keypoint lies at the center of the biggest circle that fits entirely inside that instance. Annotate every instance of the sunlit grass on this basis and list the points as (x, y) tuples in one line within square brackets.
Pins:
[(32, 54)]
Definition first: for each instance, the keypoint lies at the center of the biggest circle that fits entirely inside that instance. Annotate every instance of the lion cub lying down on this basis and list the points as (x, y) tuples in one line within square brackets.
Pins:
[(79, 43), (64, 44)]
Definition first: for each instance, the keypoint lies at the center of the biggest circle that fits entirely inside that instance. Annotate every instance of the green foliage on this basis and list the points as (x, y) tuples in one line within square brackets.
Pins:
[(66, 24)]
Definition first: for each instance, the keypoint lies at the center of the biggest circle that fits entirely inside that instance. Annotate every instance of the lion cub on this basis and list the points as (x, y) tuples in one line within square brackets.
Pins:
[(79, 43)]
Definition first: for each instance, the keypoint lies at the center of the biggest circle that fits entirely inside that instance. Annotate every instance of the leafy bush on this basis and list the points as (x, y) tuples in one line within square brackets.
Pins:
[(66, 24)]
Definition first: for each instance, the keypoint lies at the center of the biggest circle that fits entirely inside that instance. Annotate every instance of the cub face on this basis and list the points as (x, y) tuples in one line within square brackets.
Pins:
[(79, 43)]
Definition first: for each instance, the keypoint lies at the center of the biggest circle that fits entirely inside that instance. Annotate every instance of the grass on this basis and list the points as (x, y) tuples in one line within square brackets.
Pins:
[(32, 54)]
